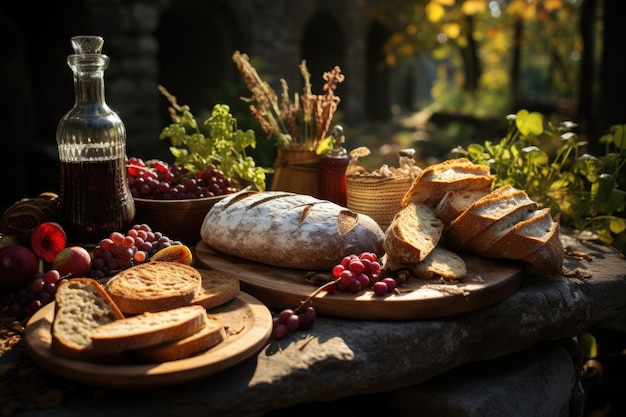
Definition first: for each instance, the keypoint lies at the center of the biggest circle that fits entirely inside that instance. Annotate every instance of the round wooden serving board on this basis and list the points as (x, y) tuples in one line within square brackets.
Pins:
[(248, 325), (487, 282)]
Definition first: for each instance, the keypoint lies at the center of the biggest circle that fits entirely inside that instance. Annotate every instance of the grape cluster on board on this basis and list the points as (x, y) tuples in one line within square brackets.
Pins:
[(121, 251), (356, 273), (155, 179), (27, 301)]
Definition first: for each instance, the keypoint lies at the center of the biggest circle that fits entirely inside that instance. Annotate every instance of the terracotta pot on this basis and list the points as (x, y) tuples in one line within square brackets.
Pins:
[(296, 171)]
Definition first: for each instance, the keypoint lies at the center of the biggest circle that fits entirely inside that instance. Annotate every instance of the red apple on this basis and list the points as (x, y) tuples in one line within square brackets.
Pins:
[(18, 264), (47, 240), (72, 260)]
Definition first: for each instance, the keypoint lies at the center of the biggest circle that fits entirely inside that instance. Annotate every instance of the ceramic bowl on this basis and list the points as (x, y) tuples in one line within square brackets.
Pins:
[(177, 219)]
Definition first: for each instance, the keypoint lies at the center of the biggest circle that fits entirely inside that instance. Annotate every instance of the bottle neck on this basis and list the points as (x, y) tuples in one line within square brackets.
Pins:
[(89, 88), (88, 77)]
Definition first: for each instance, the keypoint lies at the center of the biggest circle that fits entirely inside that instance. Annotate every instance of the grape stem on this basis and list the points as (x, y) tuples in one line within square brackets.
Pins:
[(314, 293)]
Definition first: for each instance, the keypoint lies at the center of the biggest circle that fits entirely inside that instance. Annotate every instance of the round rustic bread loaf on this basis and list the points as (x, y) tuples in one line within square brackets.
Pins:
[(289, 230), (154, 286)]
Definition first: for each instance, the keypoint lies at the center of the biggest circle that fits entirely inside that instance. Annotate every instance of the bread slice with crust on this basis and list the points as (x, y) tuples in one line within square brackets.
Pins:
[(497, 205), (212, 334), (154, 286), (81, 304), (454, 203), (436, 180), (520, 237), (441, 262), (413, 233), (549, 257), (149, 329), (218, 287)]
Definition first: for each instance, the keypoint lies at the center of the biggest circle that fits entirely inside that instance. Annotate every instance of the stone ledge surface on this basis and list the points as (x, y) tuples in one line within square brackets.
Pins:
[(349, 357)]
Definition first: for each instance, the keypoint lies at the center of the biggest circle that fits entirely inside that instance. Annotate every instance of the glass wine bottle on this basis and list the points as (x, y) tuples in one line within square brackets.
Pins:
[(91, 140)]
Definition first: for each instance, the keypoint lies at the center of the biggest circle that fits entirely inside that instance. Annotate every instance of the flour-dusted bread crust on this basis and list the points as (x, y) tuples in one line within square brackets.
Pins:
[(451, 175), (149, 329), (413, 233), (81, 304), (154, 286), (218, 287), (212, 334), (289, 230)]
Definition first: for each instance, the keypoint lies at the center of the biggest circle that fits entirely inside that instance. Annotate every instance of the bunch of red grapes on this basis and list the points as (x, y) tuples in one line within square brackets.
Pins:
[(159, 180), (289, 321), (120, 251), (27, 301), (359, 272)]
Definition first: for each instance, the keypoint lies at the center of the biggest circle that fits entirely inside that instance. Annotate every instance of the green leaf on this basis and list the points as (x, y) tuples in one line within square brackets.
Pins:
[(617, 225), (325, 146), (530, 123), (589, 345), (619, 136)]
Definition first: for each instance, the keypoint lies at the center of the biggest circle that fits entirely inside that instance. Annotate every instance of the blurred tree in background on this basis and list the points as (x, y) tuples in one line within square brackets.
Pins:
[(494, 57)]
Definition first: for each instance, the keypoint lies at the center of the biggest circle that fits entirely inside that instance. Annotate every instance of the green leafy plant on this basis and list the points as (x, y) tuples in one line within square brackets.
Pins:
[(217, 140), (546, 161)]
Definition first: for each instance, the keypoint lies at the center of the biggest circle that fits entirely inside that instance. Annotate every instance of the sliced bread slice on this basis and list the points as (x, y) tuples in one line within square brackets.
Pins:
[(154, 286), (218, 287), (149, 329), (212, 334), (454, 203), (484, 240), (549, 257), (521, 237), (413, 234), (441, 262), (436, 180), (487, 210), (81, 304)]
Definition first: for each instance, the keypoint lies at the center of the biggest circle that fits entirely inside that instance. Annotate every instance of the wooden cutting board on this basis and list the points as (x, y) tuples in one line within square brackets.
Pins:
[(487, 282), (248, 325)]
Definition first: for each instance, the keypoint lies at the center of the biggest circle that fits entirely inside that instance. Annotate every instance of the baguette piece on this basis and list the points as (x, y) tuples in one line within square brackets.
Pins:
[(413, 233), (549, 257), (521, 237), (485, 240), (535, 241), (212, 334), (149, 329), (454, 203), (218, 288), (451, 175), (289, 230), (441, 262), (81, 304), (498, 204), (154, 286)]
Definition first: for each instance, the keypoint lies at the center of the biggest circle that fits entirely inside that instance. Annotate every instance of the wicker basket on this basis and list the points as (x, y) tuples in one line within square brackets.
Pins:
[(378, 197)]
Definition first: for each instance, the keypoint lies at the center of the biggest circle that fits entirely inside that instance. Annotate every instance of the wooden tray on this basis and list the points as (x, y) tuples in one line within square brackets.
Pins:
[(247, 320), (487, 282)]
